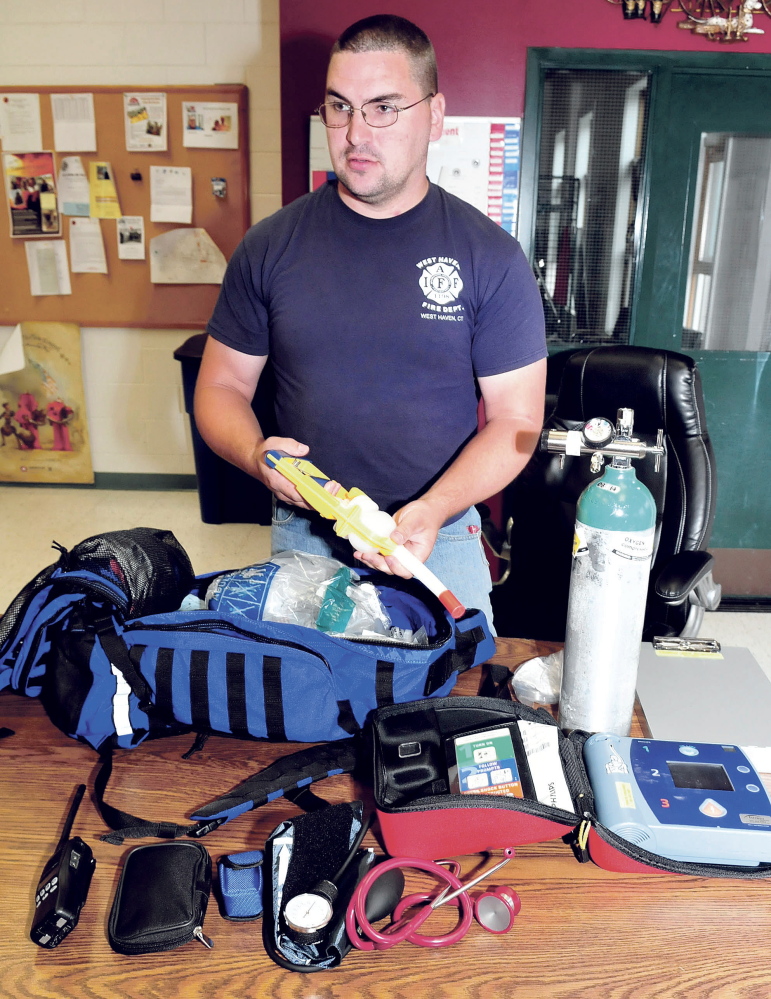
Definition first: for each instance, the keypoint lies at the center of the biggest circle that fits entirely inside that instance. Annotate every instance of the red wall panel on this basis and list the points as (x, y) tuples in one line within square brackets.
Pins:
[(481, 48)]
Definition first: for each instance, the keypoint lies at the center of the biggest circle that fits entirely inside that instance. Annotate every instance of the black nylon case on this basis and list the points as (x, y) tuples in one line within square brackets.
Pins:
[(161, 898)]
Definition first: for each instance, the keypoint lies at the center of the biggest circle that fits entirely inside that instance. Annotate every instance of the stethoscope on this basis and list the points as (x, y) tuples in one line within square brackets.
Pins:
[(494, 910)]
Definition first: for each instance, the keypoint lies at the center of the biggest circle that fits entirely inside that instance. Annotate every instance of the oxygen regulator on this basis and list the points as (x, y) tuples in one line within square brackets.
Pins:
[(599, 438)]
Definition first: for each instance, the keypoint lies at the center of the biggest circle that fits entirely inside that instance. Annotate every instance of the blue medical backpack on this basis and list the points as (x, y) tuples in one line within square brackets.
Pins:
[(99, 638)]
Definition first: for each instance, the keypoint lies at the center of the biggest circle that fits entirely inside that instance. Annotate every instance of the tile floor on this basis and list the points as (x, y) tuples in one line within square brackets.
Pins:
[(32, 518)]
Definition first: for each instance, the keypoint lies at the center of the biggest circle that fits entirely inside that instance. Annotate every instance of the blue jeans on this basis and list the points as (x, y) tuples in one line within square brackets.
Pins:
[(458, 558)]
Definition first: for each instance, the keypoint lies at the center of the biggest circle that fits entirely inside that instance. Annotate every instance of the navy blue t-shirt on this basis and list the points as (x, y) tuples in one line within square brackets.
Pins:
[(377, 329)]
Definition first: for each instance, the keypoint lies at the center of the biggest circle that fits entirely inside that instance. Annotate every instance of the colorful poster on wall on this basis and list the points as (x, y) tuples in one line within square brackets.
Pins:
[(43, 428), (30, 188), (477, 159), (210, 126), (144, 117)]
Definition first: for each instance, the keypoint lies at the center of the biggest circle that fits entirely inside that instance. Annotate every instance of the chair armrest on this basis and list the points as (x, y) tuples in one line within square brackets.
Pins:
[(681, 574)]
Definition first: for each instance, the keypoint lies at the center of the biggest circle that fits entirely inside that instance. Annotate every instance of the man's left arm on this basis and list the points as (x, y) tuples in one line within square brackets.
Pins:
[(514, 410)]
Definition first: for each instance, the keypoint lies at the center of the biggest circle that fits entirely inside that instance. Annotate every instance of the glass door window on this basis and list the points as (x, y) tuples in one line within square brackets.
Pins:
[(728, 294), (587, 215)]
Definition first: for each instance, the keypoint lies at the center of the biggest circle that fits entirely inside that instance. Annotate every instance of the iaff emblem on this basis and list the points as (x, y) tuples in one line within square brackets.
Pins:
[(440, 280)]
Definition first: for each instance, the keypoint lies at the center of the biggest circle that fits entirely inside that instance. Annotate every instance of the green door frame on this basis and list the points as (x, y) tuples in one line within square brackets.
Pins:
[(661, 66)]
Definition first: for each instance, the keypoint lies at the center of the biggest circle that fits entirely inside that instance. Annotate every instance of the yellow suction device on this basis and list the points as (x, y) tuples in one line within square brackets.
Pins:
[(359, 519)]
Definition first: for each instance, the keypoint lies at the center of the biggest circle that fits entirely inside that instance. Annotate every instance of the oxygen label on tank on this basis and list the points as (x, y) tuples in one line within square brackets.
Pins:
[(634, 545), (613, 548), (610, 487)]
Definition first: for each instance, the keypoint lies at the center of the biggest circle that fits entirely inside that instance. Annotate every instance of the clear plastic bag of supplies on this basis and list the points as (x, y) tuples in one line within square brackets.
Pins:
[(538, 680), (298, 588)]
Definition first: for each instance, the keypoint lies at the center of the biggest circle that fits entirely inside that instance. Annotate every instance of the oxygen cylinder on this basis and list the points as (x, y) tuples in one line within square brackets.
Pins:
[(612, 551)]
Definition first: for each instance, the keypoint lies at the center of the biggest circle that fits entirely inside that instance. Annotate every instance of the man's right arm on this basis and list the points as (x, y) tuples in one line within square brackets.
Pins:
[(223, 414)]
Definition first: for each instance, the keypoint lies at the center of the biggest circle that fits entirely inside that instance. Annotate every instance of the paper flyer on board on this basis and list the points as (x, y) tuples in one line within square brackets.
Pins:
[(74, 196), (74, 123), (144, 117), (47, 267), (87, 247), (210, 126), (104, 198), (20, 123), (171, 194), (186, 256), (131, 237), (31, 194)]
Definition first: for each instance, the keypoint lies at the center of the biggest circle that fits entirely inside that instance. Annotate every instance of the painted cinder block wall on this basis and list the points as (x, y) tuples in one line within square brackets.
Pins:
[(132, 385)]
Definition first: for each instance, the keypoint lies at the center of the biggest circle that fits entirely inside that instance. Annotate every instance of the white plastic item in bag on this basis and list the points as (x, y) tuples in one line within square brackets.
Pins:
[(298, 588), (538, 680)]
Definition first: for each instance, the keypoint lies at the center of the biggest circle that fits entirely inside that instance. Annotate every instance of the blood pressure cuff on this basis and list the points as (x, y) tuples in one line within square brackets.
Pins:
[(300, 854)]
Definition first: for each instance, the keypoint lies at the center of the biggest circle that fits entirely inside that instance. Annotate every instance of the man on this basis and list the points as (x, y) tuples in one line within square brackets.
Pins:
[(384, 302)]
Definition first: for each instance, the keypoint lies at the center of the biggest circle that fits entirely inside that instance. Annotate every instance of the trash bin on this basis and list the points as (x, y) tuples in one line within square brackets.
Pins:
[(226, 494)]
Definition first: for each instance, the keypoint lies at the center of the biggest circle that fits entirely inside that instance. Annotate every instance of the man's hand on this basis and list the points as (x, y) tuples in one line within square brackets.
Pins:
[(280, 486), (417, 525), (497, 454)]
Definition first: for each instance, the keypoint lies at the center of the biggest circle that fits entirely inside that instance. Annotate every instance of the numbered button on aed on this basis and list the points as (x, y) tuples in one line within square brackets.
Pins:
[(712, 808), (689, 751)]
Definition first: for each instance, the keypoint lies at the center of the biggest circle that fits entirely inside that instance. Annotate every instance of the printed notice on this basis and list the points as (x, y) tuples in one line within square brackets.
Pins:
[(74, 197), (20, 126), (74, 124), (47, 266), (171, 194), (104, 198), (87, 247), (486, 764), (145, 122), (131, 237)]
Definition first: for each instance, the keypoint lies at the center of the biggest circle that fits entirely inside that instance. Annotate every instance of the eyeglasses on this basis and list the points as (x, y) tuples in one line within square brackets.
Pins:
[(378, 114)]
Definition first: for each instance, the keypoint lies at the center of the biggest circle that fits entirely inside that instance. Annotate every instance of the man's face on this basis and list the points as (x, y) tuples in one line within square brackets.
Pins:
[(382, 171)]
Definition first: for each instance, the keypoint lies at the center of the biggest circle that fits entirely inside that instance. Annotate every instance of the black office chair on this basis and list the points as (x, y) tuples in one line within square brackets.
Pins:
[(664, 390)]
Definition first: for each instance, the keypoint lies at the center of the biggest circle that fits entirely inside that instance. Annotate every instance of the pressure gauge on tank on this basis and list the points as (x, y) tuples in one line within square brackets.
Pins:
[(598, 432)]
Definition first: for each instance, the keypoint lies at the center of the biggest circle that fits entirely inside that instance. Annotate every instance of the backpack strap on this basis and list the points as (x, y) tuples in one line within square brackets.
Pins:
[(289, 776), (458, 659), (496, 682), (118, 654), (288, 773)]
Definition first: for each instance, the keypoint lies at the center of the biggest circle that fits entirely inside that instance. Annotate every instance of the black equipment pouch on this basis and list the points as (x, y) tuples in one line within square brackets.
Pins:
[(161, 899)]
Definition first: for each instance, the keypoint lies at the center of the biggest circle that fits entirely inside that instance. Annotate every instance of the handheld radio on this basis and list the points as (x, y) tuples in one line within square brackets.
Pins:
[(63, 886)]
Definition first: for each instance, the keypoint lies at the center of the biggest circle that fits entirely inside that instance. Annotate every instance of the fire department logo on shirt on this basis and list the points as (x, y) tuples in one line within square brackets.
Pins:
[(440, 279)]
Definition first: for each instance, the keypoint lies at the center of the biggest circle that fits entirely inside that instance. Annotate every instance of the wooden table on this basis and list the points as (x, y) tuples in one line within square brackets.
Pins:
[(582, 931)]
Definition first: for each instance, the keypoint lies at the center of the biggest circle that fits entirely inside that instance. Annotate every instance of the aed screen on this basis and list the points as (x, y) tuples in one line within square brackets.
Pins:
[(703, 776)]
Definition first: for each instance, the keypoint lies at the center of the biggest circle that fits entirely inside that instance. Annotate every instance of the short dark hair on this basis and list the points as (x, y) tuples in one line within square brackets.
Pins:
[(389, 33)]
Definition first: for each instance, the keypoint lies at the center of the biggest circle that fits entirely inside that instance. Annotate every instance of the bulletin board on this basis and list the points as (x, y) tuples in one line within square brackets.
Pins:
[(125, 295)]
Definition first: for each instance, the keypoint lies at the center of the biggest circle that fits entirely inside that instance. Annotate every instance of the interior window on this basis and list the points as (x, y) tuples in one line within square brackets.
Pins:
[(591, 152), (728, 296)]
